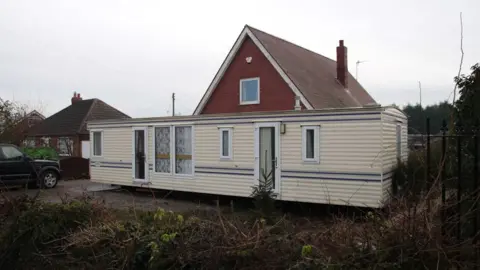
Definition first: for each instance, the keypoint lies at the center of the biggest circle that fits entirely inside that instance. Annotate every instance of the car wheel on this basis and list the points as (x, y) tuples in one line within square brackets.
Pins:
[(49, 179)]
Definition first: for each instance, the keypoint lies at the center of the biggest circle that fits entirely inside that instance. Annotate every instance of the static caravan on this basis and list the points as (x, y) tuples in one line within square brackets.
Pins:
[(335, 156)]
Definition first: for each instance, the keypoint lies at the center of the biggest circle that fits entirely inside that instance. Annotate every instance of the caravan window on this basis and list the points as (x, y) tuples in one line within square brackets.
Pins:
[(162, 149), (225, 143), (183, 150), (399, 141), (310, 143), (97, 143)]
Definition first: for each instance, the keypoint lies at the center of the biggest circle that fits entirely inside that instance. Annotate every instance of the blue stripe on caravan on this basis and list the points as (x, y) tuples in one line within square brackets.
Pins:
[(332, 173), (228, 173), (330, 178), (223, 168), (111, 162), (116, 167)]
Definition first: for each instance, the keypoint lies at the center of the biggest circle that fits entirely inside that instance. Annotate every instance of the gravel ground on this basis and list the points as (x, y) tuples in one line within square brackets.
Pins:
[(115, 198)]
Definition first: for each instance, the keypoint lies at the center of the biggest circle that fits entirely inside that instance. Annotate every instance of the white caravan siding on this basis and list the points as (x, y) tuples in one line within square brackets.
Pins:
[(391, 118), (115, 164), (349, 172), (349, 167)]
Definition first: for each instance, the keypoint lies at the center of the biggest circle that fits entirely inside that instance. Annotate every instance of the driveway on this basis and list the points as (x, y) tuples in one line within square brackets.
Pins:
[(113, 197)]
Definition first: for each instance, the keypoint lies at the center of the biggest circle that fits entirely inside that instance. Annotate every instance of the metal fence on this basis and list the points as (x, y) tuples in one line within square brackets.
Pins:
[(452, 160)]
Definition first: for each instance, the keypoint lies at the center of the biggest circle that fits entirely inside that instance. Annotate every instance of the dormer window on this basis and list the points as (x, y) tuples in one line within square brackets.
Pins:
[(249, 91)]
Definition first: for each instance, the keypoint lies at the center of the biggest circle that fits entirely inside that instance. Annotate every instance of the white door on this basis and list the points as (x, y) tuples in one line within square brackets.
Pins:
[(267, 154), (86, 149), (139, 155)]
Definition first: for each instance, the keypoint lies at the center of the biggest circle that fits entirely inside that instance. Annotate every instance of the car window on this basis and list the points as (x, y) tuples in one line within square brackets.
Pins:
[(11, 153)]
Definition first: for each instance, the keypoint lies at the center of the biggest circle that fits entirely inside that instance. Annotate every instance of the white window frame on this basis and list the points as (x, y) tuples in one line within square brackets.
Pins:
[(229, 130), (92, 151), (258, 91), (316, 143), (172, 149)]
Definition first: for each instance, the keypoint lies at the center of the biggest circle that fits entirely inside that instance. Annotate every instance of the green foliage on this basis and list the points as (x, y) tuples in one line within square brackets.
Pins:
[(417, 116), (36, 227), (41, 152), (306, 250), (263, 195), (468, 104)]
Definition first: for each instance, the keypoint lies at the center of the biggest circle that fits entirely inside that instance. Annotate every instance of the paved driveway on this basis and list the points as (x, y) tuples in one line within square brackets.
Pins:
[(112, 197)]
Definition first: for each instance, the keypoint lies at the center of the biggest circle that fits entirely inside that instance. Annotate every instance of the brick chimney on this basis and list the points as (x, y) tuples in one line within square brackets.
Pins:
[(342, 64), (76, 97)]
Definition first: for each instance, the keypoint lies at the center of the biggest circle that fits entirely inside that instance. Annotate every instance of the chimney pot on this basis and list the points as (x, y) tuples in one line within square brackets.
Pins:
[(342, 64), (76, 97)]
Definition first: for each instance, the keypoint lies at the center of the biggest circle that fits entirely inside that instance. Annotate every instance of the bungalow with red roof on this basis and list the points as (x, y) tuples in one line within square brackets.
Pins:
[(66, 130)]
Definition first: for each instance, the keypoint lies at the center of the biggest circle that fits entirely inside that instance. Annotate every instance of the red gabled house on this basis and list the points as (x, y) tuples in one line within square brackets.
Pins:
[(266, 73)]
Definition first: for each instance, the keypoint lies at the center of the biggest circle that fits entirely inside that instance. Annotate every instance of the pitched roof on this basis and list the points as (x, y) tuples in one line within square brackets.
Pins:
[(72, 120), (310, 75)]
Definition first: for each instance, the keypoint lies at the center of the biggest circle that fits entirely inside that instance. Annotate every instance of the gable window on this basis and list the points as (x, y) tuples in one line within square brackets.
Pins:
[(226, 143), (97, 143), (162, 149), (250, 91), (310, 143)]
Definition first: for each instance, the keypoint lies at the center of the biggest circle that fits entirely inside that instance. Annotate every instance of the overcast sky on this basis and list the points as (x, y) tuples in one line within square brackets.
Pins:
[(134, 54)]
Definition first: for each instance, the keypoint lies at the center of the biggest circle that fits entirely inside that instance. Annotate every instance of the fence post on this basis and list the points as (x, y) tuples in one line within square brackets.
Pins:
[(476, 193), (459, 179), (442, 171)]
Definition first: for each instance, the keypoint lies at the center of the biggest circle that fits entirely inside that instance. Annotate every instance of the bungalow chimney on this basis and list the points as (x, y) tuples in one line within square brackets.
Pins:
[(342, 64), (76, 97)]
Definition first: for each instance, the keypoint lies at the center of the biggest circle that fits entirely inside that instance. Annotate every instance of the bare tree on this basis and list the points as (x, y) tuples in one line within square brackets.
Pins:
[(11, 113)]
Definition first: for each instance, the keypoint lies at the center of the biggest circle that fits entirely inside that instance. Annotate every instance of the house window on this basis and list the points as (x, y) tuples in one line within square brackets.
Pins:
[(29, 142), (310, 143), (226, 143), (250, 91), (183, 150), (162, 149), (97, 144), (65, 146), (399, 142)]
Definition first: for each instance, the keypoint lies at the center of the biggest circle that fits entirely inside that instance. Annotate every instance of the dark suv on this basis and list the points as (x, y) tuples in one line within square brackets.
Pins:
[(16, 168)]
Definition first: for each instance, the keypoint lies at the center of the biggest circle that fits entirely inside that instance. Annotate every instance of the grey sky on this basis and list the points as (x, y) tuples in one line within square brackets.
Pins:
[(134, 54)]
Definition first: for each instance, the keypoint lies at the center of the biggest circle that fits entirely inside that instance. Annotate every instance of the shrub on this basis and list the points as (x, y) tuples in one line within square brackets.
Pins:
[(81, 234), (41, 152)]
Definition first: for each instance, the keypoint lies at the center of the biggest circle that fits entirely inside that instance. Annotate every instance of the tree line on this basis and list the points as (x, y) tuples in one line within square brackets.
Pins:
[(465, 110)]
